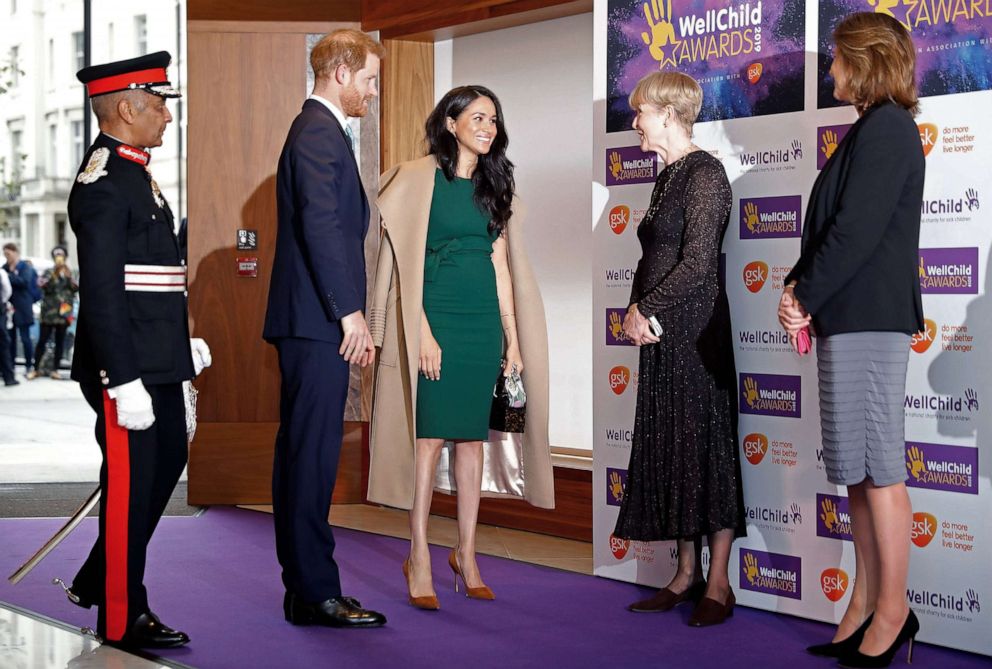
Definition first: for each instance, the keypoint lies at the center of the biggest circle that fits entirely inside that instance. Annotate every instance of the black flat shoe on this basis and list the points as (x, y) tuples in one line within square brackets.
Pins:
[(333, 612), (858, 660), (149, 632), (666, 600), (844, 646)]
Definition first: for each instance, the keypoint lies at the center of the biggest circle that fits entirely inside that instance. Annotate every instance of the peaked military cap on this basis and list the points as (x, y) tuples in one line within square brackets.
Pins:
[(146, 73)]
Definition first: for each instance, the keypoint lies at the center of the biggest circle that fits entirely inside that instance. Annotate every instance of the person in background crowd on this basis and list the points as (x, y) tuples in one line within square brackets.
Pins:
[(684, 477), (24, 282), (856, 285), (6, 364), (58, 288)]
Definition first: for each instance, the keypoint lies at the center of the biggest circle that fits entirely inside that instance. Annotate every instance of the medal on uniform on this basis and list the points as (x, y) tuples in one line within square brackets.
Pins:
[(95, 167), (156, 193)]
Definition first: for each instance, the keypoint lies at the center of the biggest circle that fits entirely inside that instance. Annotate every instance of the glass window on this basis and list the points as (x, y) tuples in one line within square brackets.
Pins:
[(15, 65), (141, 34), (53, 134), (77, 144), (15, 153), (78, 51)]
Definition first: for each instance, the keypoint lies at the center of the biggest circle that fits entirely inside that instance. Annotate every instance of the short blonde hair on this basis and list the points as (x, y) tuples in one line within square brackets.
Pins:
[(675, 89), (879, 60), (343, 47)]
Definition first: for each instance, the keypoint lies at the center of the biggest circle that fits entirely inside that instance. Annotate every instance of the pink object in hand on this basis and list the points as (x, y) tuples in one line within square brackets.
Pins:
[(803, 344)]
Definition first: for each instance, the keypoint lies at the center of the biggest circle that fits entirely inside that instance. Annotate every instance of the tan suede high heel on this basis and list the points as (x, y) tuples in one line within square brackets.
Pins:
[(482, 592), (428, 602)]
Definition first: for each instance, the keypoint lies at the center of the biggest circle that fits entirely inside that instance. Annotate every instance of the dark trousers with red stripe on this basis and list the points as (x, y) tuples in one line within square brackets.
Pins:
[(313, 393), (139, 472)]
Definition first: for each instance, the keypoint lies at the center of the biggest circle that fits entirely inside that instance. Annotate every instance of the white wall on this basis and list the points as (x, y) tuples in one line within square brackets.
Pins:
[(542, 74)]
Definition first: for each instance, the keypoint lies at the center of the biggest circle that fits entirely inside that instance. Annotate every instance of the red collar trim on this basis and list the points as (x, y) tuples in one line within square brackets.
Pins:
[(133, 154)]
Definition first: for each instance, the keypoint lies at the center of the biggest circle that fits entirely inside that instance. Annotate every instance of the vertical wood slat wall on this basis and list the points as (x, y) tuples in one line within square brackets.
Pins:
[(246, 83)]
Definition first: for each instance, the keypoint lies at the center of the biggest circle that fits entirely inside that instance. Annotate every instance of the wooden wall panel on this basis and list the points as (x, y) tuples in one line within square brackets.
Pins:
[(247, 478), (429, 20), (266, 10), (407, 99)]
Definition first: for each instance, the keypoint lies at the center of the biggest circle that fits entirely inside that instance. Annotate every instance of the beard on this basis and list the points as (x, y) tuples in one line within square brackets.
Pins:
[(353, 102)]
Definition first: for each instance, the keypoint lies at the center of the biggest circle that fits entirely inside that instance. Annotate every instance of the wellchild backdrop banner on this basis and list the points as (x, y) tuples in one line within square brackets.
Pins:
[(769, 115)]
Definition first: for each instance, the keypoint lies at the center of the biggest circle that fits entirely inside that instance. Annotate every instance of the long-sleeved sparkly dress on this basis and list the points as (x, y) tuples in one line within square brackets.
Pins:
[(684, 477)]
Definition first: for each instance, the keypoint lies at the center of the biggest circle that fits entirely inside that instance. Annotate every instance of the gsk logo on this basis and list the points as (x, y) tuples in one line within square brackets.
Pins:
[(924, 529), (928, 136), (755, 274), (754, 71), (619, 218), (619, 379), (755, 447), (834, 583), (921, 341), (619, 547)]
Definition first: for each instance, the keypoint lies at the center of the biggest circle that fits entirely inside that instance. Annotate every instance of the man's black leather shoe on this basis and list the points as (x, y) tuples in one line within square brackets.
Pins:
[(333, 612), (149, 632)]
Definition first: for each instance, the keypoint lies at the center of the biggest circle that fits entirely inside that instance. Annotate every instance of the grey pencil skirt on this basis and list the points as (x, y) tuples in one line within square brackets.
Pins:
[(862, 382)]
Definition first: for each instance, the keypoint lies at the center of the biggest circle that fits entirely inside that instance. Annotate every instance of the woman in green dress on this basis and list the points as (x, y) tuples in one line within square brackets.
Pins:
[(467, 326)]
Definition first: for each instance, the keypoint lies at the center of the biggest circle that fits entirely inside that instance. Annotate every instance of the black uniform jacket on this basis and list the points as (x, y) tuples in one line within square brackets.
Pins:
[(125, 334), (858, 270), (318, 275)]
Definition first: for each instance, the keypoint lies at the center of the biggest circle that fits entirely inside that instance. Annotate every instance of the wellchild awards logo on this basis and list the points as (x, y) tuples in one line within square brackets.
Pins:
[(616, 483), (771, 395), (942, 467), (828, 138), (949, 271), (833, 518), (627, 165), (770, 217), (771, 573)]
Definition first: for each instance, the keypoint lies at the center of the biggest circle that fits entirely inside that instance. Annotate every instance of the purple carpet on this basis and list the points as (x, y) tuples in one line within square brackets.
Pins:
[(216, 577)]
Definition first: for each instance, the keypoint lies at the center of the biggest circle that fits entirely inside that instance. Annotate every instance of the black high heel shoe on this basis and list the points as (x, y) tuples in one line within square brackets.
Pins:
[(858, 660), (844, 646)]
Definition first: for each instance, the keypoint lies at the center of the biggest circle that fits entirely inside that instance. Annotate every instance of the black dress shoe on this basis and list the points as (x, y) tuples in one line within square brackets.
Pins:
[(844, 646), (333, 612), (149, 632)]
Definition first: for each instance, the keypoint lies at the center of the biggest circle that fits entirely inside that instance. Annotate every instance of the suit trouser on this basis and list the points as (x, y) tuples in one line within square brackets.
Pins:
[(139, 472), (312, 399), (6, 362), (25, 332)]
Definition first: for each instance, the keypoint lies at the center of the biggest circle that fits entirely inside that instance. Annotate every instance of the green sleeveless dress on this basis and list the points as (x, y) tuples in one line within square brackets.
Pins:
[(463, 312)]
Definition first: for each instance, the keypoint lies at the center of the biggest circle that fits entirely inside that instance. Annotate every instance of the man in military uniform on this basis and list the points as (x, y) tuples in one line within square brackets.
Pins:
[(133, 349)]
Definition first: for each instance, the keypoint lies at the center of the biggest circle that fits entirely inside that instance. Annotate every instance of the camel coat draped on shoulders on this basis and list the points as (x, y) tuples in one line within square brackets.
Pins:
[(405, 194)]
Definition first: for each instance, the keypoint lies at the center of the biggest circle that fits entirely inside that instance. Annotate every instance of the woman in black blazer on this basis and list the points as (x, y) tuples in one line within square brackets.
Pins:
[(856, 283)]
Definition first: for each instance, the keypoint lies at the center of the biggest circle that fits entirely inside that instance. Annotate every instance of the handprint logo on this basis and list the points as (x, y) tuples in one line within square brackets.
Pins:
[(916, 466), (750, 391), (615, 165), (750, 568), (829, 514), (972, 398), (616, 326), (797, 513), (972, 196), (751, 216), (973, 604), (923, 270), (662, 31), (829, 143), (797, 149), (616, 487)]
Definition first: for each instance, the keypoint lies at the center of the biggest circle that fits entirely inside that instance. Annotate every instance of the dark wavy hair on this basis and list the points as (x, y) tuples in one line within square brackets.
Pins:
[(493, 176)]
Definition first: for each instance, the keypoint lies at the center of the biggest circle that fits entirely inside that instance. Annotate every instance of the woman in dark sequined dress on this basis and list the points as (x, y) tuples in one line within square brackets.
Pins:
[(684, 479)]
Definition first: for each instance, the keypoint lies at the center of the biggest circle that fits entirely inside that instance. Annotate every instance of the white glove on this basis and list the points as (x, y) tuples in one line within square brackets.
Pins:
[(134, 405), (201, 355)]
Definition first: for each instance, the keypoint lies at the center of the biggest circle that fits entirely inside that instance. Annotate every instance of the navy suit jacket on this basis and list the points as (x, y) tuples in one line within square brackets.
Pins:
[(860, 249), (24, 285), (318, 275)]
